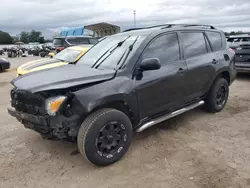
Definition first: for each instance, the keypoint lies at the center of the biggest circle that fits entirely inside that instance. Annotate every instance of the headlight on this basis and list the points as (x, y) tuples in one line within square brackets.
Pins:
[(52, 104)]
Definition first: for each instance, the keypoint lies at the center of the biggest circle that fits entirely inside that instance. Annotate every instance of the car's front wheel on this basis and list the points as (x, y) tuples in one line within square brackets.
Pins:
[(217, 96), (104, 136)]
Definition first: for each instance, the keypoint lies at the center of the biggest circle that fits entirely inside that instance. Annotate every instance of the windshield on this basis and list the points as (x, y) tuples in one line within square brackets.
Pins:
[(107, 53), (57, 42), (68, 55)]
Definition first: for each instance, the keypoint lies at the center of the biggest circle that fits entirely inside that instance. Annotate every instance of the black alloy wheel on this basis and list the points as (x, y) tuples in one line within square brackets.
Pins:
[(105, 136), (221, 95), (111, 139), (217, 96)]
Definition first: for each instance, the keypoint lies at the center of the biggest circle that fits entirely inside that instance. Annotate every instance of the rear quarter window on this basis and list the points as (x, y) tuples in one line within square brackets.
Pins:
[(215, 39)]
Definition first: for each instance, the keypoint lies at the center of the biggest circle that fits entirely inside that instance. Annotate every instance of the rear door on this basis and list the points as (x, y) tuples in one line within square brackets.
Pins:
[(200, 62), (162, 90)]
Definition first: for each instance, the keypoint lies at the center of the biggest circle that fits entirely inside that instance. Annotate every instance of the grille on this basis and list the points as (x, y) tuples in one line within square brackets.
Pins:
[(27, 102)]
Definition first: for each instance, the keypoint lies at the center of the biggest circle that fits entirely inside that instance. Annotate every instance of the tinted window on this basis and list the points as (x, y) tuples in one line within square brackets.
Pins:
[(57, 42), (215, 39), (165, 47), (76, 41), (246, 39), (72, 41), (194, 44), (93, 41), (230, 39), (83, 41)]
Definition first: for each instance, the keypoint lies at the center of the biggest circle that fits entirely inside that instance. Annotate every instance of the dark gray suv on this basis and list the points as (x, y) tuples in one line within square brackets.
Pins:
[(126, 83)]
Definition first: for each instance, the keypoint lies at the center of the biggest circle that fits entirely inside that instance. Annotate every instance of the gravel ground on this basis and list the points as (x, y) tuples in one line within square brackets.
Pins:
[(195, 150)]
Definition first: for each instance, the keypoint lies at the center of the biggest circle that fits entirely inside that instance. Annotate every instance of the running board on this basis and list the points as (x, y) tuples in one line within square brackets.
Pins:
[(168, 116)]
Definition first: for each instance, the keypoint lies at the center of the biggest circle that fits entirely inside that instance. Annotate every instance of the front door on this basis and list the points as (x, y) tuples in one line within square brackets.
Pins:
[(161, 90)]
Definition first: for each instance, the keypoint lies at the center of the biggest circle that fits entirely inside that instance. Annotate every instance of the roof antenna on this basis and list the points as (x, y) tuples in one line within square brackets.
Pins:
[(134, 18)]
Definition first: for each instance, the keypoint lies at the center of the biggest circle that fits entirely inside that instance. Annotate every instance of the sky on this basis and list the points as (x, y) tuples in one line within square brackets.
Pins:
[(50, 16)]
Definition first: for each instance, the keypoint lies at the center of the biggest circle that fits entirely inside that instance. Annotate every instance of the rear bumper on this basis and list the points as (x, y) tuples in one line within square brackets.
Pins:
[(242, 67), (242, 70)]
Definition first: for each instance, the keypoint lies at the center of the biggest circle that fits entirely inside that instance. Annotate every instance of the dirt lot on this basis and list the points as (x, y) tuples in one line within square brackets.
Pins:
[(195, 150)]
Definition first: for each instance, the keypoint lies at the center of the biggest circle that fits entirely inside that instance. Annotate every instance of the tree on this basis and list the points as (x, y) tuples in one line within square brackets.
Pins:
[(35, 36), (24, 37), (41, 40), (5, 38), (16, 38)]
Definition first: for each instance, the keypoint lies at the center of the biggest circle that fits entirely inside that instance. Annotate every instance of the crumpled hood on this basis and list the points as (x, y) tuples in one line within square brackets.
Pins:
[(61, 77)]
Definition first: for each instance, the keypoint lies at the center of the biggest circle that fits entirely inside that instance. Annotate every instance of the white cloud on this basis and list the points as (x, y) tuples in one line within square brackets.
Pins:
[(50, 15)]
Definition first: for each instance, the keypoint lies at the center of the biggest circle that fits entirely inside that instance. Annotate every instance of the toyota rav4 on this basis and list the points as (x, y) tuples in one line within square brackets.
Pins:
[(126, 83)]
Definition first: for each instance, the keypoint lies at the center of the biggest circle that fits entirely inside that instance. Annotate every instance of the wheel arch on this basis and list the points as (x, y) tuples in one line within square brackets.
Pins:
[(224, 74), (119, 104)]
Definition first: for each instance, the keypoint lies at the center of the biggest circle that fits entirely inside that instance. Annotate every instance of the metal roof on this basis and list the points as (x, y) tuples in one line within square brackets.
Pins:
[(103, 29), (99, 26)]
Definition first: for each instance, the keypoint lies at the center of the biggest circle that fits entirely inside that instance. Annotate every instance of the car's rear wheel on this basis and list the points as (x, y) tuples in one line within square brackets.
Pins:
[(104, 136), (43, 54), (217, 96)]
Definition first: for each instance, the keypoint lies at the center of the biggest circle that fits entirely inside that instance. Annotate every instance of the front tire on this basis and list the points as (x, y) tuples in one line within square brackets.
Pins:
[(217, 96), (104, 136)]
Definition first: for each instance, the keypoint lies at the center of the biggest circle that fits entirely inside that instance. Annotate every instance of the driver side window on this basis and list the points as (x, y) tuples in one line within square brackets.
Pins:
[(165, 48)]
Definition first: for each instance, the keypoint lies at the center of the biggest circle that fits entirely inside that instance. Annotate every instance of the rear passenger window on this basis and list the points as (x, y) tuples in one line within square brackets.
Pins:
[(164, 47), (215, 39), (194, 44)]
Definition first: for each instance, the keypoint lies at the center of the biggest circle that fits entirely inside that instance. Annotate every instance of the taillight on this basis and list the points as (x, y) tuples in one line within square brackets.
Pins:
[(231, 50)]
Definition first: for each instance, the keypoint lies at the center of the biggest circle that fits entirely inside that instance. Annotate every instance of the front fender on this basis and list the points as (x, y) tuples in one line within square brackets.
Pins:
[(118, 89)]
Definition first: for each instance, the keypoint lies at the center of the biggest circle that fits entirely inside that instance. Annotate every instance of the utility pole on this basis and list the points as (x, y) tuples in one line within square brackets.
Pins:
[(134, 18)]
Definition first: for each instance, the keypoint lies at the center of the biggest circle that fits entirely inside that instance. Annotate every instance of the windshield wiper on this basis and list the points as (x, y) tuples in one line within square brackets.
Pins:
[(127, 52), (111, 50)]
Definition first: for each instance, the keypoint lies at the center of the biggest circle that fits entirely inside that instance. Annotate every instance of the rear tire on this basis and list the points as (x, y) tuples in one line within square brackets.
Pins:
[(43, 54), (217, 96), (104, 136)]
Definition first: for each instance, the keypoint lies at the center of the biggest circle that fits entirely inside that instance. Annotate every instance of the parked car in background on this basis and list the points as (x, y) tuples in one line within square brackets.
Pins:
[(241, 46), (126, 83), (1, 52), (69, 55), (237, 40), (4, 64), (61, 43)]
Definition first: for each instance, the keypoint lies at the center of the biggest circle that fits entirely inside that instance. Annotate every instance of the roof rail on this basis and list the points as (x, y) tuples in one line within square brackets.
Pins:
[(199, 25), (132, 29), (150, 27), (165, 26)]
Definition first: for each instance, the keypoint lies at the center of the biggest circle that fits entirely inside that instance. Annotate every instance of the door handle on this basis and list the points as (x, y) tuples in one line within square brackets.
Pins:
[(214, 61), (180, 71)]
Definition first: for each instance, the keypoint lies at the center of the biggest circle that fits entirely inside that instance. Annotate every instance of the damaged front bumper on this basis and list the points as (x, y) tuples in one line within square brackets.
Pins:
[(58, 127)]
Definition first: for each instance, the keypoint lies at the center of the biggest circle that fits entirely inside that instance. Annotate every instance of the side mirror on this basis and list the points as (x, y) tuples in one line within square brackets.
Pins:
[(150, 64)]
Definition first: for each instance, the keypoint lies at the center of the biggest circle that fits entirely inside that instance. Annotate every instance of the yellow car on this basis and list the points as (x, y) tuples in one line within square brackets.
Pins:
[(68, 55)]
